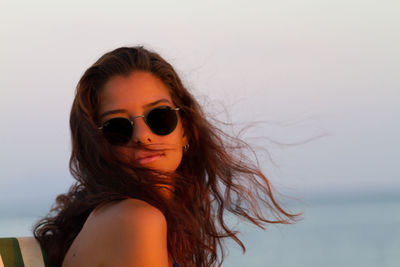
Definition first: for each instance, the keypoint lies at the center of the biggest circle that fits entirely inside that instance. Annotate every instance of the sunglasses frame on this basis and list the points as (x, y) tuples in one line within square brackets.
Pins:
[(144, 116)]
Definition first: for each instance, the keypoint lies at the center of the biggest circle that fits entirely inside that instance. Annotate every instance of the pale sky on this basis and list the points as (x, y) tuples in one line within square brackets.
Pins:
[(308, 68)]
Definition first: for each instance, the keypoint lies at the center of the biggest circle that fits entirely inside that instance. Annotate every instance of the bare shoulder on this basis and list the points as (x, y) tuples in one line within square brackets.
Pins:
[(131, 211), (125, 233)]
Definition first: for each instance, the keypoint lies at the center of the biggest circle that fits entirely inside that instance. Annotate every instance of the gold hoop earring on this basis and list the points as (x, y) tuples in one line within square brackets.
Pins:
[(186, 147)]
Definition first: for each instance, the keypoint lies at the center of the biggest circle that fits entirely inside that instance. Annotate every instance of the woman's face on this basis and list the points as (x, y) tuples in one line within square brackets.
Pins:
[(133, 96)]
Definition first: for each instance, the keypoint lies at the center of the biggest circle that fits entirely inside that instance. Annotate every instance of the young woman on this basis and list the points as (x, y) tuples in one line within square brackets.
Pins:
[(155, 178)]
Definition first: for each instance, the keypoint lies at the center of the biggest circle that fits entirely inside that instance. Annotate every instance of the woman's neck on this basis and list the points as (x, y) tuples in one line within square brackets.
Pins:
[(167, 191)]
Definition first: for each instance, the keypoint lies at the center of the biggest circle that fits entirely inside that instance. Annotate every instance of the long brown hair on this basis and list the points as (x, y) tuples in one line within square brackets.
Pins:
[(215, 177)]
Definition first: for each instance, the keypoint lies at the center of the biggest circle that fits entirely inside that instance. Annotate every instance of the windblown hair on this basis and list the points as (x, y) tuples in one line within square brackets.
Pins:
[(214, 179)]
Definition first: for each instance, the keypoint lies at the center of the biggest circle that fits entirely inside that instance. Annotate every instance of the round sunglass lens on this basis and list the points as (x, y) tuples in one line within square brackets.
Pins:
[(162, 121), (118, 131)]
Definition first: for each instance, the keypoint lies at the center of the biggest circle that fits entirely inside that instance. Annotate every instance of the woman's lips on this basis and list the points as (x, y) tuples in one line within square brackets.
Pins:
[(148, 159)]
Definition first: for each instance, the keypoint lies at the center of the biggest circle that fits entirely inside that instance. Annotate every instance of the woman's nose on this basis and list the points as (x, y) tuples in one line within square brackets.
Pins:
[(141, 131)]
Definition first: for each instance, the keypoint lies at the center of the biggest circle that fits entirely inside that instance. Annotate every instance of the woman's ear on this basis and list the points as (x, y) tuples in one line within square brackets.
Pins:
[(185, 141)]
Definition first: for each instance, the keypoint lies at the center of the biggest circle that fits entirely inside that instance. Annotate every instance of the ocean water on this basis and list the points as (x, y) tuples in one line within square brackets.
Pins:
[(335, 231), (362, 231)]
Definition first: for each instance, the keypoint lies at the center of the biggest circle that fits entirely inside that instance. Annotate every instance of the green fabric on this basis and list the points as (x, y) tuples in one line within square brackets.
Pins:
[(11, 253)]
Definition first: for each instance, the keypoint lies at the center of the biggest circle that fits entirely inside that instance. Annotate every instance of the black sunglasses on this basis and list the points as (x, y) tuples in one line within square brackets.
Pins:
[(161, 120)]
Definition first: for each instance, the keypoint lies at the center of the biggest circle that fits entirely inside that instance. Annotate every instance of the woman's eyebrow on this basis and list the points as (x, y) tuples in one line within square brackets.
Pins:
[(163, 100), (114, 111)]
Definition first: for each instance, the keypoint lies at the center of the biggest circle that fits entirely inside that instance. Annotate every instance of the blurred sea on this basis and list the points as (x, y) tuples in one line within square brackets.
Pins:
[(335, 231)]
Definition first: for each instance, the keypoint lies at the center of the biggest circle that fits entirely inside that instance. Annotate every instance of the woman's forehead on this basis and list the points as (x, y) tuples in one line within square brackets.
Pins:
[(139, 89)]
